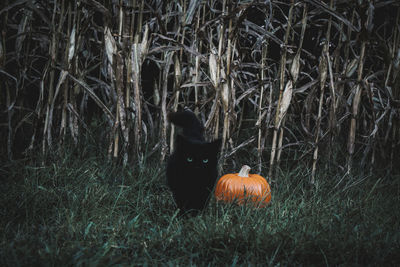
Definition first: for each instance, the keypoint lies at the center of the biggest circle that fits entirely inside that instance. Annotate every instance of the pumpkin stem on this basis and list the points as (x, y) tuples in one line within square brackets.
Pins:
[(244, 171)]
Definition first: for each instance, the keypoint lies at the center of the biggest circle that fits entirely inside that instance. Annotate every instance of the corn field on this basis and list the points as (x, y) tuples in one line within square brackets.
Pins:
[(304, 80)]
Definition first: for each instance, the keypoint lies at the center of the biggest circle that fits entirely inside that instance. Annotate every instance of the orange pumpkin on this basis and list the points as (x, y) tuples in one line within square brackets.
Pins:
[(243, 187)]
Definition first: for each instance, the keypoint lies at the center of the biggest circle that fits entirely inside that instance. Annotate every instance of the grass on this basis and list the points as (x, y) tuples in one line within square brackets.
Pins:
[(82, 210)]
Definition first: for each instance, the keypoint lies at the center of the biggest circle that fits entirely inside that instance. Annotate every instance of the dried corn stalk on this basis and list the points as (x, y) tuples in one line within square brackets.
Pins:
[(164, 126), (323, 71), (64, 57), (282, 68), (355, 108)]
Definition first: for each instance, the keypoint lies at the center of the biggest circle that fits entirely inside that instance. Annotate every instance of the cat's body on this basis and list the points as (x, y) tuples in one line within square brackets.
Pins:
[(192, 168)]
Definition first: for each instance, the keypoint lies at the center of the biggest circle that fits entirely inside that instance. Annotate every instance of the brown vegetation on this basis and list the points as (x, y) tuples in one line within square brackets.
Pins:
[(293, 79)]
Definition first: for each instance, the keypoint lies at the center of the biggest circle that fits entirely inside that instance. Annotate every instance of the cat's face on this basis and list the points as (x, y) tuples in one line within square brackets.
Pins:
[(197, 155)]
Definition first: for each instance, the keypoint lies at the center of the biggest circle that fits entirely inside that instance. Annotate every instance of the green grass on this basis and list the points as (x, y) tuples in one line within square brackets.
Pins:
[(85, 211)]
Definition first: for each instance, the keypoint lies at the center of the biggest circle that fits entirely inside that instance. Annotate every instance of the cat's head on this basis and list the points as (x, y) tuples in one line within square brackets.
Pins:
[(197, 154)]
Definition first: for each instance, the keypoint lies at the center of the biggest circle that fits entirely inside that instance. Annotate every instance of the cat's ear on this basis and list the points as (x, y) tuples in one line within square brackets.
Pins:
[(181, 141), (216, 144)]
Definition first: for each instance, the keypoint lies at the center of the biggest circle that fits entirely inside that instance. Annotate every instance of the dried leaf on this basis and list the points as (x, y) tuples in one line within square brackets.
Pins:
[(93, 96), (396, 60), (23, 28), (369, 25), (144, 47), (61, 80), (351, 67), (156, 95), (111, 46), (193, 5), (285, 103), (333, 13), (260, 118), (294, 70), (225, 96), (213, 69), (178, 72), (305, 87), (71, 45), (199, 84), (323, 66)]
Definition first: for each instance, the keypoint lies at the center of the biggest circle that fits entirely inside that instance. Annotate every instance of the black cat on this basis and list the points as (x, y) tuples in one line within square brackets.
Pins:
[(192, 168)]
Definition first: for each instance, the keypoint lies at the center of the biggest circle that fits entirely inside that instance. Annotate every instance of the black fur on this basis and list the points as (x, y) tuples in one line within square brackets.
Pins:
[(192, 168), (192, 127)]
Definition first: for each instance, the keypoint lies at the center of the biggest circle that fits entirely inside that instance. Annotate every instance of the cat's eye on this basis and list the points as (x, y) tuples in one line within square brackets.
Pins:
[(205, 160), (189, 159)]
